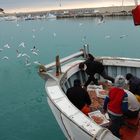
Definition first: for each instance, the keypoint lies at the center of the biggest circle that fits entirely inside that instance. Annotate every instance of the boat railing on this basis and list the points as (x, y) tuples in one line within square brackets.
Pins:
[(83, 52), (63, 60)]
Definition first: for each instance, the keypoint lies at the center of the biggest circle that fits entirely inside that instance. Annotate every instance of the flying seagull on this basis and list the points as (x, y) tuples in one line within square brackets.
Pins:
[(2, 10), (5, 58)]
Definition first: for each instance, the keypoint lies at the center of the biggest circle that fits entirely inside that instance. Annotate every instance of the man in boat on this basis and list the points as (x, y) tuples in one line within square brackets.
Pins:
[(134, 84), (133, 106), (91, 67), (115, 104), (79, 97)]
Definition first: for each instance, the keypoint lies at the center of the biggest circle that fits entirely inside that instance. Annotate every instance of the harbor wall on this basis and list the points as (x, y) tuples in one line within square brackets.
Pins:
[(82, 12)]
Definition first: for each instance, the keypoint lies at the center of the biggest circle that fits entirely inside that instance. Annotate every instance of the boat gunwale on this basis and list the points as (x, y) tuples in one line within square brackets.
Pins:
[(78, 111)]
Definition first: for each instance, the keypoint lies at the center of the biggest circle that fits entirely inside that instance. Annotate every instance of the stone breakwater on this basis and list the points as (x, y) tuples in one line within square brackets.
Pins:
[(82, 12), (94, 12)]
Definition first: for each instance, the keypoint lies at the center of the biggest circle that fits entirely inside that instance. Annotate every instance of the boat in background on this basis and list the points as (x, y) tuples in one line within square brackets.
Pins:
[(10, 18), (50, 16), (59, 76)]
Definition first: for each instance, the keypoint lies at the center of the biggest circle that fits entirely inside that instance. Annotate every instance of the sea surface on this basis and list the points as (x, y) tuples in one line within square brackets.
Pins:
[(24, 112)]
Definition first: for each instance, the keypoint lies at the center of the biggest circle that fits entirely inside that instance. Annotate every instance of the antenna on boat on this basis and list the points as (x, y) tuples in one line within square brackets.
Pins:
[(136, 13), (86, 50), (60, 3), (122, 4), (58, 66), (136, 2)]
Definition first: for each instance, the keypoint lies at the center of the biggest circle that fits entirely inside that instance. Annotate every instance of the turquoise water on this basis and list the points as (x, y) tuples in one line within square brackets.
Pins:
[(24, 112)]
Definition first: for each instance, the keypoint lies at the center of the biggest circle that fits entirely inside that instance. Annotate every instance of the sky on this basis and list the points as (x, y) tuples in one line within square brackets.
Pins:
[(15, 6)]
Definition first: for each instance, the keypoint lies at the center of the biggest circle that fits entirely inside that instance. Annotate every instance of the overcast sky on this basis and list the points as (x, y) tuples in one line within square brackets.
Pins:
[(29, 5)]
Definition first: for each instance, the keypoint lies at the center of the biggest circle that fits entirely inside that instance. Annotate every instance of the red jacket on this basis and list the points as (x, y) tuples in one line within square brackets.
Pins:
[(116, 96)]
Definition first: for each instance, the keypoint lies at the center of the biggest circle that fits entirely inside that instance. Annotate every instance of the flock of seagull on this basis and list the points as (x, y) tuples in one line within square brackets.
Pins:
[(35, 51), (20, 54), (101, 20)]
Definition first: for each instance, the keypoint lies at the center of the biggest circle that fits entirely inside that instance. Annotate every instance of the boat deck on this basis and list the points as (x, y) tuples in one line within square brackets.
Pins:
[(127, 132), (130, 133)]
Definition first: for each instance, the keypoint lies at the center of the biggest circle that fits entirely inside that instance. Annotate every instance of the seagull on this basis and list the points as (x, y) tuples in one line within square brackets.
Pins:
[(33, 36), (27, 63), (7, 46), (54, 34), (18, 53), (22, 45), (35, 53), (33, 30), (107, 36), (37, 62), (1, 50), (5, 58), (24, 54), (101, 19), (80, 24), (122, 36), (34, 49), (2, 10)]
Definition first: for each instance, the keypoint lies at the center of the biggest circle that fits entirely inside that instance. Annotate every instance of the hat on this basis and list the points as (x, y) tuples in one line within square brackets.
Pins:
[(90, 57), (129, 76), (120, 81)]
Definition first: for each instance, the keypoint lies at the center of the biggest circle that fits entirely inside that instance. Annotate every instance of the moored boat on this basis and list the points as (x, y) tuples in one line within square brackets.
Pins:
[(59, 76), (50, 16)]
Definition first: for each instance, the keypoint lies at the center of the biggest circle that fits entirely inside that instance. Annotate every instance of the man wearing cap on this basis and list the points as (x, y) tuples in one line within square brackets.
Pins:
[(91, 67), (115, 104), (134, 84)]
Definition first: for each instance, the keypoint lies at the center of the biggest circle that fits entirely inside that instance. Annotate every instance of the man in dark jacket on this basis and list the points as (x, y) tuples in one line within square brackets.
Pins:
[(91, 67), (79, 97), (134, 83)]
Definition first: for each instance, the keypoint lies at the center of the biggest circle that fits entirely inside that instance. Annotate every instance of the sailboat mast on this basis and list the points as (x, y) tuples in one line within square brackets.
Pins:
[(60, 3), (122, 4), (136, 2)]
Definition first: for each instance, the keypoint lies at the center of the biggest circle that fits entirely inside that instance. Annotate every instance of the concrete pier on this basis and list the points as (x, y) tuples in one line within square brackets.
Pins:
[(82, 12)]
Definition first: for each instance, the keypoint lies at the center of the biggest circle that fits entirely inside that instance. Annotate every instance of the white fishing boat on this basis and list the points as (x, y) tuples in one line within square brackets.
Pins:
[(59, 76), (10, 18), (50, 16)]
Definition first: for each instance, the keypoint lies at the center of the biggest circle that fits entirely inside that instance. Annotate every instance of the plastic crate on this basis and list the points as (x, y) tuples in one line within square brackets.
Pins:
[(99, 118)]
